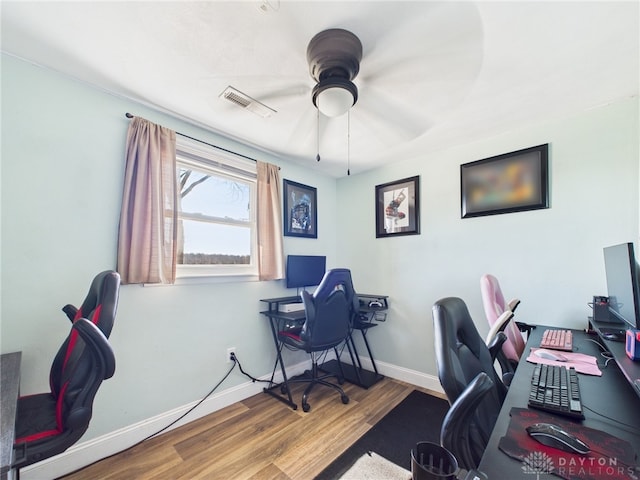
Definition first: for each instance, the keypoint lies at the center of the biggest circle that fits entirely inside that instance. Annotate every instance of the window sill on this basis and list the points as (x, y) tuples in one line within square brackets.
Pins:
[(205, 280)]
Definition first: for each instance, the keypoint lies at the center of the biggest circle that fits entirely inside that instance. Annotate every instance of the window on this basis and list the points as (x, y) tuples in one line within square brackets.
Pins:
[(217, 220)]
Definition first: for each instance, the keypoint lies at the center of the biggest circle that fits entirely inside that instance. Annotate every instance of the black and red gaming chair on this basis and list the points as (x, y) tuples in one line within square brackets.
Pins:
[(101, 302), (49, 423)]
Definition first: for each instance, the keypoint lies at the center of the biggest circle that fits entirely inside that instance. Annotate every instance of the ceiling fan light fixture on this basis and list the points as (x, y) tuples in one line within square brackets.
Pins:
[(334, 97)]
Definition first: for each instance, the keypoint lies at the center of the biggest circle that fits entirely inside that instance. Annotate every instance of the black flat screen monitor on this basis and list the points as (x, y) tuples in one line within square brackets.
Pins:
[(622, 284), (305, 270)]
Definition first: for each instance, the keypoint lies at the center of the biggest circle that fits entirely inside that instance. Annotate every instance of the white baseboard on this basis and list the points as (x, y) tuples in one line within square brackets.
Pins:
[(86, 453)]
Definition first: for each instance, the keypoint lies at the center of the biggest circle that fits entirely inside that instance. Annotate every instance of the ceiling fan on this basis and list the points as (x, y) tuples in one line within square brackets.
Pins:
[(334, 61), (398, 71)]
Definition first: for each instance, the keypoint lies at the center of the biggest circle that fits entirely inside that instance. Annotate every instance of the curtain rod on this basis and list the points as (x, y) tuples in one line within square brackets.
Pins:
[(129, 115)]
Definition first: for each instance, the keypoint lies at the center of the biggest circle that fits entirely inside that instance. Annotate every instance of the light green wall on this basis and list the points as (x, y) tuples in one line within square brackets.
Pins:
[(62, 167), (551, 259)]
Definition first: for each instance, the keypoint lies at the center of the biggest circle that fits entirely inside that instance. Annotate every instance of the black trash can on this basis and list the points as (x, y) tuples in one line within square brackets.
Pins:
[(430, 461)]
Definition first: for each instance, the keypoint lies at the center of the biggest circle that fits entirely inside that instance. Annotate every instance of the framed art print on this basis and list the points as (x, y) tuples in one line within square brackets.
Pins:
[(300, 210), (511, 182), (398, 208)]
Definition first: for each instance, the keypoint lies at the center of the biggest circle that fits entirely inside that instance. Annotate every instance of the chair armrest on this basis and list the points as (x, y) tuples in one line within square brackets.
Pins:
[(99, 344), (513, 304), (455, 426), (525, 327), (71, 311), (496, 345), (498, 326)]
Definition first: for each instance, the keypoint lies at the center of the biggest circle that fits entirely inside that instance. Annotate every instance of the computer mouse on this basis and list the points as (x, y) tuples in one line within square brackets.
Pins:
[(554, 436), (549, 355)]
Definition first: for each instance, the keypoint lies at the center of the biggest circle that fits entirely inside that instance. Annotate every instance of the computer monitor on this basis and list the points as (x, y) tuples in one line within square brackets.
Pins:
[(622, 271), (305, 270)]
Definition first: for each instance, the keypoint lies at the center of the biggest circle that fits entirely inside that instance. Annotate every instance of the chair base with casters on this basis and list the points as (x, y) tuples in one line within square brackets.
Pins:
[(313, 378), (328, 322)]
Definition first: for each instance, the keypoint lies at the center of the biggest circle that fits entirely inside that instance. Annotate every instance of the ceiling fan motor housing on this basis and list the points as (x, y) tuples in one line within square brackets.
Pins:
[(334, 61)]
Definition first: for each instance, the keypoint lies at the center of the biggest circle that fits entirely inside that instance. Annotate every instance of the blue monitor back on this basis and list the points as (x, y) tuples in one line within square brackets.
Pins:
[(305, 270)]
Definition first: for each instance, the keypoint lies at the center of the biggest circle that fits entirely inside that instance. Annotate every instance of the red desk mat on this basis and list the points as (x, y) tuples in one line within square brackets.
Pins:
[(610, 457)]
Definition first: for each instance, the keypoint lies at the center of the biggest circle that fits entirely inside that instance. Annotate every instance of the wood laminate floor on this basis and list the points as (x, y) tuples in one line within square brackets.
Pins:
[(258, 438)]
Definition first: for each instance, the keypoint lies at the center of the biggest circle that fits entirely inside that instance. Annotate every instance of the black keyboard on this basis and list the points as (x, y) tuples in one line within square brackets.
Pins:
[(555, 389)]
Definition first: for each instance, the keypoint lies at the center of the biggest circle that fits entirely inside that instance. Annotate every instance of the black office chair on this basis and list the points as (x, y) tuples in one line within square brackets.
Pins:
[(461, 355), (459, 433), (49, 423), (328, 321)]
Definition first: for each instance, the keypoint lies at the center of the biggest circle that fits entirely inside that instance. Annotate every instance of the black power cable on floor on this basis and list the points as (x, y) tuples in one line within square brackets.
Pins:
[(233, 358)]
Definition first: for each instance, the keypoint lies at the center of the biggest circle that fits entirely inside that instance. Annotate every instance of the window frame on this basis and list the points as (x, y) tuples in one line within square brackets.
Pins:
[(221, 163)]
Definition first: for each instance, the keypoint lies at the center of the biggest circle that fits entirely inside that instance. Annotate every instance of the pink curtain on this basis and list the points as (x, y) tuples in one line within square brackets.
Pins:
[(148, 220), (270, 248)]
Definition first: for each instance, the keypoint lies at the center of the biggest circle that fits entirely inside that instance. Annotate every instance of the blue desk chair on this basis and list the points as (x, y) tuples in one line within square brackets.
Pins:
[(329, 316)]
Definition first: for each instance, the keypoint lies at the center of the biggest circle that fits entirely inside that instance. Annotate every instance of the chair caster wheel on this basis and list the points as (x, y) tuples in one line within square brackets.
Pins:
[(306, 407), (345, 399)]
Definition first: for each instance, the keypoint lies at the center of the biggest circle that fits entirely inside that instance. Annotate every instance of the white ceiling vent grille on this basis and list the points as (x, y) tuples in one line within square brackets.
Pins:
[(245, 101)]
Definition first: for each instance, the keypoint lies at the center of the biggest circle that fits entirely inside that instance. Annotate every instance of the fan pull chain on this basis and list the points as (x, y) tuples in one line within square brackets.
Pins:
[(318, 135), (349, 142)]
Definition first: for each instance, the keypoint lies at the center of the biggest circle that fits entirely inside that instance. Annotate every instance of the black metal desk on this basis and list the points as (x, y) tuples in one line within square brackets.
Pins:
[(353, 372), (629, 368), (277, 321), (610, 395), (372, 310), (9, 391)]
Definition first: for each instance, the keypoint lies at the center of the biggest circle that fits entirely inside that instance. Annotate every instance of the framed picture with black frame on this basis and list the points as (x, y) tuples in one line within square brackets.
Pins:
[(398, 208), (300, 210), (511, 182)]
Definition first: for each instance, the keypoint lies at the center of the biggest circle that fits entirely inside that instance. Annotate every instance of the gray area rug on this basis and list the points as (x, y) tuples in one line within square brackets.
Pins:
[(417, 418), (372, 466)]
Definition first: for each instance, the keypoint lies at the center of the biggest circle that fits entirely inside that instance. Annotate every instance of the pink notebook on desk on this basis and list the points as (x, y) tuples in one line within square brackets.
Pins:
[(587, 364)]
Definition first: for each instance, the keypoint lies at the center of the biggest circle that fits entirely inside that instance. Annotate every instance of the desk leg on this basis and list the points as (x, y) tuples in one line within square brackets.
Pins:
[(355, 359), (366, 343), (285, 383), (354, 372)]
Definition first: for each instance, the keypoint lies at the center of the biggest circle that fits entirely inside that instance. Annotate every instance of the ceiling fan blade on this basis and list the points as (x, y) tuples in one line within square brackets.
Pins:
[(293, 90), (393, 119), (303, 139), (450, 57)]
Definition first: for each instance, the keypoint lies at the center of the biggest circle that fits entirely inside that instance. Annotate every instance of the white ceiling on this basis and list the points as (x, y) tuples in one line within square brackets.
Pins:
[(433, 74)]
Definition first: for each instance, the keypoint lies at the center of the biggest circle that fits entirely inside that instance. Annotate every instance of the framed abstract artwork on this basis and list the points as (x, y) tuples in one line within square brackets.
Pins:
[(511, 182)]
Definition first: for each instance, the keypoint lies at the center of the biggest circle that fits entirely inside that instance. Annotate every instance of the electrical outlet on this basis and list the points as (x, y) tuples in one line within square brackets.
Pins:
[(230, 350)]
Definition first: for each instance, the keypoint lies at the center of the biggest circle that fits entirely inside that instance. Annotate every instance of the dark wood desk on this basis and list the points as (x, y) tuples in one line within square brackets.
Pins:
[(610, 395), (9, 391)]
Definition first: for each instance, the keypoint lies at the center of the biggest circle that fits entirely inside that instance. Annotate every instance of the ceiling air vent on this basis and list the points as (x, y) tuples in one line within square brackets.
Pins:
[(245, 101)]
